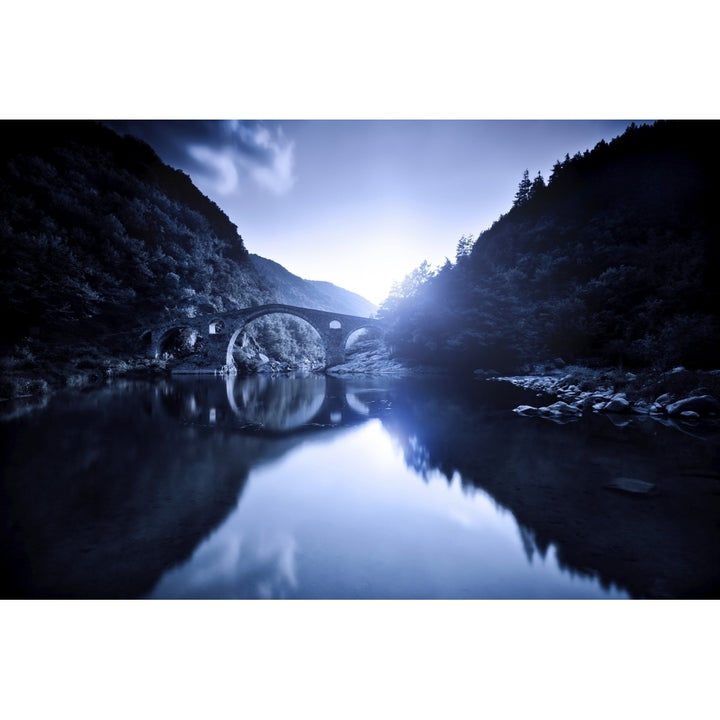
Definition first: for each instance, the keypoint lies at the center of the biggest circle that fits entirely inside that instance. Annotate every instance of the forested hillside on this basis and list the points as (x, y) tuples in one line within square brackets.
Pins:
[(614, 260), (99, 239), (309, 293)]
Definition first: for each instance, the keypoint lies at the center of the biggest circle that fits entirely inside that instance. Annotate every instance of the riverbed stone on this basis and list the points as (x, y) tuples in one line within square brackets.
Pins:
[(618, 404), (632, 486), (664, 400), (560, 409), (701, 404), (640, 407), (527, 410)]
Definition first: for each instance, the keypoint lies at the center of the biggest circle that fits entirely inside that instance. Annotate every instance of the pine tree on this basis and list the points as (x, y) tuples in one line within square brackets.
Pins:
[(538, 184), (523, 192)]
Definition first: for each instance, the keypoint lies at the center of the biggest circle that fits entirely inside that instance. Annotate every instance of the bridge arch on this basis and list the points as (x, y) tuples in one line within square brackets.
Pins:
[(241, 325), (353, 335)]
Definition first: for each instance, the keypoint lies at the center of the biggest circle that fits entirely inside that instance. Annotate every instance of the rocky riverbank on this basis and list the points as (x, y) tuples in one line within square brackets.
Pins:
[(370, 356), (679, 395), (37, 375)]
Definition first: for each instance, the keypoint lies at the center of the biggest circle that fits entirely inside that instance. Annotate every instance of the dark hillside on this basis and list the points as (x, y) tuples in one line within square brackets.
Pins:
[(614, 260), (100, 239), (97, 234)]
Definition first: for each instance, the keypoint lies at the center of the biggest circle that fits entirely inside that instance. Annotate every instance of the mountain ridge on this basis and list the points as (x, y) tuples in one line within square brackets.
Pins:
[(321, 295)]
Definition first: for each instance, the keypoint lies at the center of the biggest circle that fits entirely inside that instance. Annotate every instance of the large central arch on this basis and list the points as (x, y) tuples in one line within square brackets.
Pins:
[(333, 329), (242, 325)]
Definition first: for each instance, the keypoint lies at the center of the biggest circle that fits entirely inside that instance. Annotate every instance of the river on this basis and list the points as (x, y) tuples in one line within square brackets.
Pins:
[(371, 487)]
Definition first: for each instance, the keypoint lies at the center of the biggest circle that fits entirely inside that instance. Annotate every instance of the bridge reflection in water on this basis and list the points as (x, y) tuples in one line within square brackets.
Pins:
[(270, 404)]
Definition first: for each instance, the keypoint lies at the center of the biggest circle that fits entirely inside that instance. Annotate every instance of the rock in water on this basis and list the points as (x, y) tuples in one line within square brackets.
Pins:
[(618, 404), (631, 485), (701, 404), (689, 415), (560, 409), (526, 410)]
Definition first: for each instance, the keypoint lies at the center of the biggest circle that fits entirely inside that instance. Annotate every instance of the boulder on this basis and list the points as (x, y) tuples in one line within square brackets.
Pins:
[(664, 400), (701, 404), (641, 408), (618, 404), (560, 409)]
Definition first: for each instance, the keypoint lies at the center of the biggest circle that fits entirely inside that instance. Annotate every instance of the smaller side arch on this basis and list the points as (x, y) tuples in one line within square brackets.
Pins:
[(178, 341), (147, 344)]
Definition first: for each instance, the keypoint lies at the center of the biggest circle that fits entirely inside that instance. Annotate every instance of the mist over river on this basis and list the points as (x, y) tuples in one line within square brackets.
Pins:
[(372, 487)]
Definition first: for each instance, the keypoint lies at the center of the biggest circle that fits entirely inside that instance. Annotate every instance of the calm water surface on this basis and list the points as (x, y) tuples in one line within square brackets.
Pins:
[(315, 487)]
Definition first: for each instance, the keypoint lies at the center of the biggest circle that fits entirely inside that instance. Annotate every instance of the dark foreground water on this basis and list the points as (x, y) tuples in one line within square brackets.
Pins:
[(277, 487)]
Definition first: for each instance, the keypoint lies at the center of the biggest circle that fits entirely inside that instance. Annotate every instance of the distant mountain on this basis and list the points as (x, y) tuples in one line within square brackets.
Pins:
[(293, 290), (99, 238), (614, 260)]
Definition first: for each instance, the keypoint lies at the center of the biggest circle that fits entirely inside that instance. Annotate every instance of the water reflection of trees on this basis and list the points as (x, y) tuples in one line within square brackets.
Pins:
[(118, 494), (132, 478), (553, 479)]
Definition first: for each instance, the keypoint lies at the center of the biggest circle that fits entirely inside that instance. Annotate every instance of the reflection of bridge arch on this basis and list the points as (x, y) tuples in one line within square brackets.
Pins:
[(212, 337), (286, 404), (274, 405), (279, 411)]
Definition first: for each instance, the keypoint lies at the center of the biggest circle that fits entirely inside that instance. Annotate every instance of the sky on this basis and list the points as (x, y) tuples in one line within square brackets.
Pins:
[(361, 203)]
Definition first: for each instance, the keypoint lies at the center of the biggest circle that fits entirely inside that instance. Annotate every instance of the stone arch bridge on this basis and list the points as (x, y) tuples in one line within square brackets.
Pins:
[(213, 336)]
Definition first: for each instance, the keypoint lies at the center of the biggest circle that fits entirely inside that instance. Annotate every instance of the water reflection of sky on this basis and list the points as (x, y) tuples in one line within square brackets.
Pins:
[(345, 517)]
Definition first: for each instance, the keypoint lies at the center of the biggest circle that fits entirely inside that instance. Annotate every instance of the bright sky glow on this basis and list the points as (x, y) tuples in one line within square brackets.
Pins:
[(362, 203)]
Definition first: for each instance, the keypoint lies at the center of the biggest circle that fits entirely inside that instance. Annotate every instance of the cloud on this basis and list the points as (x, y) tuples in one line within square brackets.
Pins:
[(227, 155)]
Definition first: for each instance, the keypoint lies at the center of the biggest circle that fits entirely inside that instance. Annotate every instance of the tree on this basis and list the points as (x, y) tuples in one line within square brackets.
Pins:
[(523, 192), (464, 246), (538, 184)]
